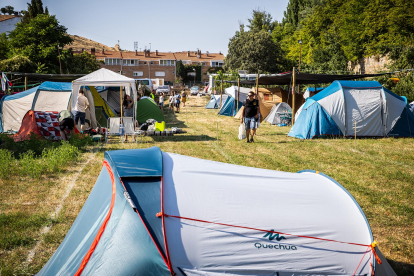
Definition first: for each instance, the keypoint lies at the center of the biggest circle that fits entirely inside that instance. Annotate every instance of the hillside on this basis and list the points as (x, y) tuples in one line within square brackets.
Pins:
[(80, 42)]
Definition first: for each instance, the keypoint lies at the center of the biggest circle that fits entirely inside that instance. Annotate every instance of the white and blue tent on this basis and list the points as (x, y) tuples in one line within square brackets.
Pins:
[(49, 96), (348, 107), (214, 102), (155, 213), (229, 107)]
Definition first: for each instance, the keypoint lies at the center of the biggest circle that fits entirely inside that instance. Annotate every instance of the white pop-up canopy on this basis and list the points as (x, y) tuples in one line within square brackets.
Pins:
[(104, 77)]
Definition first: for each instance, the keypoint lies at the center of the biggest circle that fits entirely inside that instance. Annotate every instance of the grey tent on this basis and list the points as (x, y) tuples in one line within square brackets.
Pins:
[(278, 112)]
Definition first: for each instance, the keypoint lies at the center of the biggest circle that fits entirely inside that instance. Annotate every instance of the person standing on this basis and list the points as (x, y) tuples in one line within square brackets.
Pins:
[(172, 102), (128, 104), (66, 122), (184, 98), (250, 113), (177, 101), (161, 102), (82, 104)]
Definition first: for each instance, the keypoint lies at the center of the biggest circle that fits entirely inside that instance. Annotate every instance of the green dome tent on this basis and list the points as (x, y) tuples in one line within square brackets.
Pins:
[(148, 109)]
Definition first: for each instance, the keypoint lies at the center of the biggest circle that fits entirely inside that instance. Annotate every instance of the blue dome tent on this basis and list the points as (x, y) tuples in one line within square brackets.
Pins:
[(348, 108)]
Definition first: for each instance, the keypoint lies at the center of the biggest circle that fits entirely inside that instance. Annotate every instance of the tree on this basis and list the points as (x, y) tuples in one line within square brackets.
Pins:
[(37, 40), (83, 63), (4, 46), (180, 69), (18, 64), (7, 9), (261, 20), (33, 9), (254, 51)]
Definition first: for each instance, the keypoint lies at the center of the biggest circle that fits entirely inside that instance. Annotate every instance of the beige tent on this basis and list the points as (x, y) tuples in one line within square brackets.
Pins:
[(268, 97)]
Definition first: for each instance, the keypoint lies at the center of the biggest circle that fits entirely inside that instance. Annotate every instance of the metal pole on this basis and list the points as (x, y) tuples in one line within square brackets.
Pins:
[(238, 93), (293, 96)]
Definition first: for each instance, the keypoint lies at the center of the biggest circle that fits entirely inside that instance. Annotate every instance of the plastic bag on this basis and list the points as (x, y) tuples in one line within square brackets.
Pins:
[(242, 132)]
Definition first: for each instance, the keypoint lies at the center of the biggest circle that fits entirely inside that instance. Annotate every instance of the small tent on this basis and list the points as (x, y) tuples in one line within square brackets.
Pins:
[(43, 124), (147, 108), (214, 102), (276, 113), (49, 96), (348, 108), (229, 108), (102, 109), (157, 213)]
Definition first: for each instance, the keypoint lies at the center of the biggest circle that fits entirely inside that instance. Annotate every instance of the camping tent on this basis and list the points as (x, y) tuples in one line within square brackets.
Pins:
[(102, 109), (214, 102), (278, 110), (229, 108), (104, 77), (348, 108), (49, 96), (268, 97), (43, 124), (158, 213), (146, 109), (111, 97)]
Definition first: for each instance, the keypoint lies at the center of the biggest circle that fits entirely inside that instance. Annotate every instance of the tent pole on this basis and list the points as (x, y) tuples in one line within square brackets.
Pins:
[(25, 83), (238, 93), (257, 84), (293, 95), (221, 94), (120, 95)]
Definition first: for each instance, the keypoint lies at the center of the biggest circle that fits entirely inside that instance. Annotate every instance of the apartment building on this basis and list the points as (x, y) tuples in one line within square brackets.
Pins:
[(156, 65)]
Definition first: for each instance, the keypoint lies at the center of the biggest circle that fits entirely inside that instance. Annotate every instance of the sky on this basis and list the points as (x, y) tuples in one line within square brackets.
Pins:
[(163, 25)]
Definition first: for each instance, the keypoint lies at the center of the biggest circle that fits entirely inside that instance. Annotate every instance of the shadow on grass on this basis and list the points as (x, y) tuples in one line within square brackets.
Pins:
[(401, 269), (183, 138), (171, 119)]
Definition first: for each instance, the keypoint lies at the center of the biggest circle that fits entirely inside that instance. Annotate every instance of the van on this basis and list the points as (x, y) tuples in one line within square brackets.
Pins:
[(147, 83)]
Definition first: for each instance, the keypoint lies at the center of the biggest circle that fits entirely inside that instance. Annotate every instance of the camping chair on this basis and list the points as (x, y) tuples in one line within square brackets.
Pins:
[(114, 127), (128, 126)]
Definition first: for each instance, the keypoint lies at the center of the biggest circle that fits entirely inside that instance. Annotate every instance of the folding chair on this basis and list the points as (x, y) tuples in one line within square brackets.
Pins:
[(129, 128), (114, 127)]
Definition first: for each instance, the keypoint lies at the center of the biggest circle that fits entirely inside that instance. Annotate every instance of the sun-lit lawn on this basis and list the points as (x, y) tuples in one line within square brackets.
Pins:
[(377, 172)]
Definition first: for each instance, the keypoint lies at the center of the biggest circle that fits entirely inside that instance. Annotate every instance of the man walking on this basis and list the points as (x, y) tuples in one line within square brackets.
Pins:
[(250, 113), (81, 105)]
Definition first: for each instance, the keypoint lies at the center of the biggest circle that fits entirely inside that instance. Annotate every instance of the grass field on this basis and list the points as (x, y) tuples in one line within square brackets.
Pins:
[(36, 213)]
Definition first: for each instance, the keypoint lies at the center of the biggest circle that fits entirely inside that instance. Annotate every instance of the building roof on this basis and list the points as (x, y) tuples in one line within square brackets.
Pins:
[(4, 17), (190, 55)]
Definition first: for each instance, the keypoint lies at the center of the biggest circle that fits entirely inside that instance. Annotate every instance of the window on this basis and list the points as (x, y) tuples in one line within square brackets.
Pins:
[(137, 73), (152, 62), (159, 74), (216, 63), (167, 62), (112, 61)]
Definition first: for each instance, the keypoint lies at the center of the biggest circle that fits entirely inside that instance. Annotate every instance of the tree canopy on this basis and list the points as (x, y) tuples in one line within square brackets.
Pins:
[(7, 9), (253, 51)]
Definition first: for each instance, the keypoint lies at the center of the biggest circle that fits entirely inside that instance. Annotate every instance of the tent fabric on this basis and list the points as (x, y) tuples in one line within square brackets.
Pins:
[(40, 123), (146, 109), (277, 110), (229, 108), (102, 109), (112, 97), (312, 91), (49, 96), (362, 108), (212, 104), (207, 223)]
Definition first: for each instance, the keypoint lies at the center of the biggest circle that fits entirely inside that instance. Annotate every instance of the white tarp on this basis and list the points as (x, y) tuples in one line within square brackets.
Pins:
[(306, 204)]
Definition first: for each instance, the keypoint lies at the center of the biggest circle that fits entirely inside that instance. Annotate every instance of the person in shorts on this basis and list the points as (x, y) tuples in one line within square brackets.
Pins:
[(250, 113), (171, 101), (161, 102), (177, 98), (66, 122), (184, 98), (82, 104)]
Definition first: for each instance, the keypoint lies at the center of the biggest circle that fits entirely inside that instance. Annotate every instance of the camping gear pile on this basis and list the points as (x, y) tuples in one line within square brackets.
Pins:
[(158, 213), (354, 109), (280, 115)]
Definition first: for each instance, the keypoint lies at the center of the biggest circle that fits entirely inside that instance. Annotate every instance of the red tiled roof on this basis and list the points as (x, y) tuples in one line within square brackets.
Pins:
[(193, 56)]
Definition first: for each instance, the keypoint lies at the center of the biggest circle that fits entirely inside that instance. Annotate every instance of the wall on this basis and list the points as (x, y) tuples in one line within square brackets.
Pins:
[(369, 65)]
